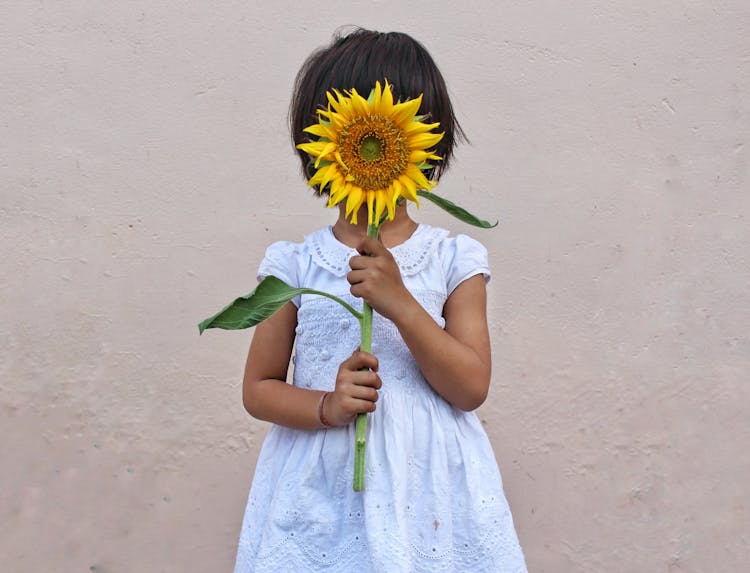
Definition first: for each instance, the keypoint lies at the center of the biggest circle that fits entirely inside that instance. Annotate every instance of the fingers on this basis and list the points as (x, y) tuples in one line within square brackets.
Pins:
[(343, 407), (371, 246), (357, 263), (364, 393), (360, 360), (364, 407), (357, 386), (355, 277), (358, 377), (364, 378), (360, 262), (378, 259), (350, 407)]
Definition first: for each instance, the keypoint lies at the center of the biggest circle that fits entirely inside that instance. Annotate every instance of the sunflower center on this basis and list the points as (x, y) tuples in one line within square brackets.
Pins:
[(374, 151), (371, 148)]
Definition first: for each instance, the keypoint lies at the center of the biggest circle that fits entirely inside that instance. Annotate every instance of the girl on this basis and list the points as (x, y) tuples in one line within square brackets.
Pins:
[(433, 500)]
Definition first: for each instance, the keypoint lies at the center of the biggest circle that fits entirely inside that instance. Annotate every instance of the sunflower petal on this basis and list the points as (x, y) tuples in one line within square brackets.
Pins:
[(316, 178), (321, 131), (425, 140), (340, 161), (329, 147), (392, 208), (314, 148), (418, 156), (336, 102), (338, 122), (359, 104), (418, 177), (328, 175), (395, 190), (386, 100), (376, 95), (409, 188), (370, 207), (354, 200), (414, 127), (404, 112), (381, 202), (339, 190)]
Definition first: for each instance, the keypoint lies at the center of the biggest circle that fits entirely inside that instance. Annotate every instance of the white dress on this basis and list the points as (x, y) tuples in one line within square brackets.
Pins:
[(433, 499)]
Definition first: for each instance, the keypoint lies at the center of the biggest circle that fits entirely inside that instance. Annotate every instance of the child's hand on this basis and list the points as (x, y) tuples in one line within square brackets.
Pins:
[(356, 389), (375, 278)]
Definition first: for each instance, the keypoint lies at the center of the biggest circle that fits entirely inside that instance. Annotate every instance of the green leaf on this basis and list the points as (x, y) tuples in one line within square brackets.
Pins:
[(455, 210), (268, 297)]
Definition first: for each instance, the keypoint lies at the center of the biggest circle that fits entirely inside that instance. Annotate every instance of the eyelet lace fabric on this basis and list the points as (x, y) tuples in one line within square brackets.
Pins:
[(433, 499), (411, 256)]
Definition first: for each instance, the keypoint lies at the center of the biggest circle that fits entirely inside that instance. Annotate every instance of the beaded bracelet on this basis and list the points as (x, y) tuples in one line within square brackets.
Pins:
[(321, 415)]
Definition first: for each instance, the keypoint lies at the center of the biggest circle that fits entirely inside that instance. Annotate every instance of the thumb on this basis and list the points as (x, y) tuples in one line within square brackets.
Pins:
[(370, 246)]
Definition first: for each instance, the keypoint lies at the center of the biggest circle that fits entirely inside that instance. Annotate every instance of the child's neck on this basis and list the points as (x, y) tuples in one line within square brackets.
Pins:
[(392, 233)]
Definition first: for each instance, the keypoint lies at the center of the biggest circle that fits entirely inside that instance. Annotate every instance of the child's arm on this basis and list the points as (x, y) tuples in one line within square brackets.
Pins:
[(456, 361), (267, 396)]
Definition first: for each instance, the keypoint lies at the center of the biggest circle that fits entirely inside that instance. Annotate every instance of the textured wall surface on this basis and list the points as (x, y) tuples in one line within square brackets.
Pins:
[(145, 165)]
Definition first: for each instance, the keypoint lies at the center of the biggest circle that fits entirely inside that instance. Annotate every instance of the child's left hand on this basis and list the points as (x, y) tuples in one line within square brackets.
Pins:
[(375, 277)]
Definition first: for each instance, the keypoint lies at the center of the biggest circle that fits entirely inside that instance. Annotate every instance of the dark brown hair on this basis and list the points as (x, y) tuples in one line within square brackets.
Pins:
[(359, 59)]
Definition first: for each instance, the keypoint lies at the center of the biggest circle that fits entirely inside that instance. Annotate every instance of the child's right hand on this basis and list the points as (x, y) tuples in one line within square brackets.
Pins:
[(357, 384)]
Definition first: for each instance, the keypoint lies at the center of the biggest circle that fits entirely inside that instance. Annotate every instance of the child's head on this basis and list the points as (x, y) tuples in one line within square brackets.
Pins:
[(359, 59)]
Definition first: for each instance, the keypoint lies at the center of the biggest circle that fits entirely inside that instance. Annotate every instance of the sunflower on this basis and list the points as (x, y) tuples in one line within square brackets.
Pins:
[(371, 150)]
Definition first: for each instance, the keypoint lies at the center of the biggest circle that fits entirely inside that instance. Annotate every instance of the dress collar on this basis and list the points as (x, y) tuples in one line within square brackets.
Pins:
[(411, 256)]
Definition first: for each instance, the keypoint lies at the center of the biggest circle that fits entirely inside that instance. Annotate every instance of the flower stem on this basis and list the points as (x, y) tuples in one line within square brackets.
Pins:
[(361, 423)]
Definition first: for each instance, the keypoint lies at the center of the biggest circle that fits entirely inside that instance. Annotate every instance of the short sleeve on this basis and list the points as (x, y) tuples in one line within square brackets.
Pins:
[(280, 261), (464, 257)]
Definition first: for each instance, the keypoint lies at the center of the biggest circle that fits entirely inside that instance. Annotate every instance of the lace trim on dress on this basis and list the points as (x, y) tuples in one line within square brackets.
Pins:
[(411, 256)]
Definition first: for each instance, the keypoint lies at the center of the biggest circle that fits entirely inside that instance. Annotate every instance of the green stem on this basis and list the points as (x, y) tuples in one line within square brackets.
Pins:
[(361, 423)]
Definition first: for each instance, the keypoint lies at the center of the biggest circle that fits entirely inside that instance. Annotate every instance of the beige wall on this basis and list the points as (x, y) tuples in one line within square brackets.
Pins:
[(144, 166)]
